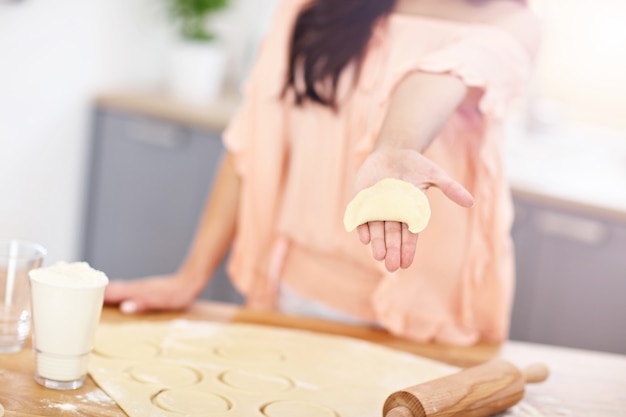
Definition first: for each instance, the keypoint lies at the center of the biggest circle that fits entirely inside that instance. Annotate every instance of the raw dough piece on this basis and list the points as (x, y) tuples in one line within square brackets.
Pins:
[(192, 402), (169, 375), (297, 408), (389, 200), (255, 382), (250, 353), (211, 369)]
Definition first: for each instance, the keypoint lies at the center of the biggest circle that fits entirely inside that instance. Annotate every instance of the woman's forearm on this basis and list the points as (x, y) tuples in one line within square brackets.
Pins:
[(420, 107), (216, 229)]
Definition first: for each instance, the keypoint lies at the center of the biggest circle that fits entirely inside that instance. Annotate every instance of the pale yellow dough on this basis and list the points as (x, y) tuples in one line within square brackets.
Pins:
[(240, 370), (389, 200)]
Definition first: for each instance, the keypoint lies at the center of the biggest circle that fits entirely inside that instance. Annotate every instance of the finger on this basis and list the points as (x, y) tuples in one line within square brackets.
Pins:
[(137, 304), (129, 307), (409, 244), (364, 233), (377, 239), (456, 192), (131, 298), (393, 243), (115, 292)]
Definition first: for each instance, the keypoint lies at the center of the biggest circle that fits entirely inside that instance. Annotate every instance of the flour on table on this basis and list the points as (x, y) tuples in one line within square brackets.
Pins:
[(193, 368), (533, 406)]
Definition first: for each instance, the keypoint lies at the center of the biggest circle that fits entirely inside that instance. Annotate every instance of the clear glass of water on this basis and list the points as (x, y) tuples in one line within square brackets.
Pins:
[(17, 258)]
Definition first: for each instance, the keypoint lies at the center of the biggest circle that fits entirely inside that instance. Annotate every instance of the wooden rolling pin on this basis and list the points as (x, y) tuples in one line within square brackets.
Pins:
[(479, 391)]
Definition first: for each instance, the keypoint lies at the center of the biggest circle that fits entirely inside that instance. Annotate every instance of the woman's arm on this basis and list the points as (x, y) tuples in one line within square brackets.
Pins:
[(420, 107), (217, 226), (213, 237)]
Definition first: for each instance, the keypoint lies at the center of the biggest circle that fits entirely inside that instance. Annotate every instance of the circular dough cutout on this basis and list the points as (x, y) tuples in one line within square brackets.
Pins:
[(255, 382), (164, 374), (250, 353), (1, 410), (192, 402), (292, 408), (126, 349)]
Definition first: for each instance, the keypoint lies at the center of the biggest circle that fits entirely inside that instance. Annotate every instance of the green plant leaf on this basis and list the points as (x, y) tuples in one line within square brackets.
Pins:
[(191, 16)]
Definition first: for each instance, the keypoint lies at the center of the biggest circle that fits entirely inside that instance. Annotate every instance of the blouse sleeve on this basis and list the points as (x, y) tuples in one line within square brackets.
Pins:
[(486, 58)]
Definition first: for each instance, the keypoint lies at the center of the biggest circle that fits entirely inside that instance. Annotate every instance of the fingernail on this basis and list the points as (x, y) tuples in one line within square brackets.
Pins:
[(128, 307)]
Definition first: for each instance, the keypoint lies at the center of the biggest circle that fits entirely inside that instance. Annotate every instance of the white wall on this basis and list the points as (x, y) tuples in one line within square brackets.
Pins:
[(54, 57), (583, 61)]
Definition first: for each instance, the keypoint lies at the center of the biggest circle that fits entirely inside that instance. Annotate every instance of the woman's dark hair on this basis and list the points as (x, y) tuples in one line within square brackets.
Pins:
[(327, 37)]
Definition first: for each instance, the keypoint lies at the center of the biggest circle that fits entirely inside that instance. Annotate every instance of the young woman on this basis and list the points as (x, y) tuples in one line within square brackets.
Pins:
[(343, 94)]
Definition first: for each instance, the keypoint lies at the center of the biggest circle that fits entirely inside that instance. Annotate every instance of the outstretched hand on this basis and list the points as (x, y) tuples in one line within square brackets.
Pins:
[(157, 293), (392, 242)]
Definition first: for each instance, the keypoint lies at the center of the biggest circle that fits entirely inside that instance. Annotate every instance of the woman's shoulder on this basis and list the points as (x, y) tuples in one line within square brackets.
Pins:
[(519, 21), (511, 16)]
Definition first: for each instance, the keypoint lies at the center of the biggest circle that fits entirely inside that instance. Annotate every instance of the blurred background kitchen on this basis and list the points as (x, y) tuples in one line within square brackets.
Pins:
[(109, 141)]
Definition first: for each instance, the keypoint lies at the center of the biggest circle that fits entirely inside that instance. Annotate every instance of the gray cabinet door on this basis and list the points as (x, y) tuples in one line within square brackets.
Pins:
[(571, 279), (147, 187)]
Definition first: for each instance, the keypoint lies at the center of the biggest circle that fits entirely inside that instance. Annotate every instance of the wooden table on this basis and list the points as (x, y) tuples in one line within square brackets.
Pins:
[(582, 383)]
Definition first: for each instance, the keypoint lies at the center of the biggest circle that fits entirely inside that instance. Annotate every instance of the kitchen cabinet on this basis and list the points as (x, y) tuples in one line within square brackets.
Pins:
[(571, 276), (148, 181)]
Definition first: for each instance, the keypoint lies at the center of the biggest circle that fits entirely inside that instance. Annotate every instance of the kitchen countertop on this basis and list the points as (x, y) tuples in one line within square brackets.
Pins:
[(581, 383), (212, 116), (575, 167)]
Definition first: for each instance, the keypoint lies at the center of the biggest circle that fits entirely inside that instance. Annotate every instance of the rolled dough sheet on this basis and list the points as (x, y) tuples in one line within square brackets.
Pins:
[(193, 368)]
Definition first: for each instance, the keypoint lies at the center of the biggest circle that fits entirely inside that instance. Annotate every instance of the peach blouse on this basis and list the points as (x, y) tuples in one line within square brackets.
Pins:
[(298, 165)]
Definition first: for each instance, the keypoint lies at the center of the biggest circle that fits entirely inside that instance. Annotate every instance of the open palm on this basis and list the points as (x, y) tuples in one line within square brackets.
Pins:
[(391, 241)]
